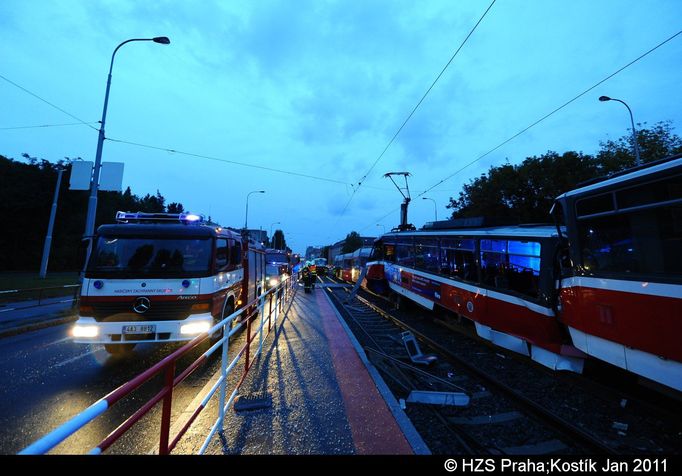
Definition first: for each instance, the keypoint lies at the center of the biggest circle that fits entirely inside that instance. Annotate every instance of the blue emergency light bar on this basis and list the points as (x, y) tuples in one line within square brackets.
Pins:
[(125, 217)]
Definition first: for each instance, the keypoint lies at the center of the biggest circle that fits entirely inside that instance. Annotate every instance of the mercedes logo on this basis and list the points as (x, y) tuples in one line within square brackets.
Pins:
[(142, 305)]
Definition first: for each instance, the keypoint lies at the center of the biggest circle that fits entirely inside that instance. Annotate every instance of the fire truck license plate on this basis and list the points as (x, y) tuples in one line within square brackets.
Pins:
[(139, 329)]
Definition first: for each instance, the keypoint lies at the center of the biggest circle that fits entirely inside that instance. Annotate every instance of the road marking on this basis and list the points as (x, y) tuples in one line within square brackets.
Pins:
[(73, 359), (58, 341)]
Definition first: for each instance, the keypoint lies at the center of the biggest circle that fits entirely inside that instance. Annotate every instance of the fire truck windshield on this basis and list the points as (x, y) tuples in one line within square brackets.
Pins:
[(127, 257), (276, 258)]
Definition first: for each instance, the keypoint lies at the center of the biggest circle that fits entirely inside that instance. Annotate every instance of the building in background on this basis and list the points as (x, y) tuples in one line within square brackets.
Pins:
[(335, 249)]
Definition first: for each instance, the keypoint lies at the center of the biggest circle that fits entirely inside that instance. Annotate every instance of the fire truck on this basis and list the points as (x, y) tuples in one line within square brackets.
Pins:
[(164, 277)]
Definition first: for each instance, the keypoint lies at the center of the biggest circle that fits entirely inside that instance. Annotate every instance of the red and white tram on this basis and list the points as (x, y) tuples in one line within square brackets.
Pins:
[(349, 265), (605, 282), (493, 275), (621, 292), (159, 277)]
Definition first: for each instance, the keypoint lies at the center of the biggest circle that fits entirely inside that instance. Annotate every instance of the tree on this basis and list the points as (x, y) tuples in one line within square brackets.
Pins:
[(26, 192), (352, 242), (175, 207), (527, 191), (278, 241), (654, 144)]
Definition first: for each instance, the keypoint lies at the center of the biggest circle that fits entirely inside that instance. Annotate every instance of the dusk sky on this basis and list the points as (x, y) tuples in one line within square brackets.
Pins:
[(317, 89)]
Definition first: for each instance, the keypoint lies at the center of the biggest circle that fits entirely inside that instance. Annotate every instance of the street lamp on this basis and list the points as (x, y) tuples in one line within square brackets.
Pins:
[(94, 184), (246, 220), (382, 225), (435, 208), (276, 223), (638, 161)]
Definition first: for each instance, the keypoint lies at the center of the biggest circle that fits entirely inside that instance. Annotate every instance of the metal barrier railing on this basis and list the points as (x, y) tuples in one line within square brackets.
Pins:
[(14, 299), (276, 297)]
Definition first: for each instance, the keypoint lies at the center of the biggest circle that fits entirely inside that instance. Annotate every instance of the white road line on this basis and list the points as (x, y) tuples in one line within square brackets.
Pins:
[(73, 359)]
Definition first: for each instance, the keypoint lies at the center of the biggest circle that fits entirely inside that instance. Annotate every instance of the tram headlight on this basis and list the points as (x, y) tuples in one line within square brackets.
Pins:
[(272, 282), (195, 327), (84, 331)]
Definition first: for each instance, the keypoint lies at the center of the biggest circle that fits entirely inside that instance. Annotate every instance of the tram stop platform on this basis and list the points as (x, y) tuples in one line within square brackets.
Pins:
[(324, 398)]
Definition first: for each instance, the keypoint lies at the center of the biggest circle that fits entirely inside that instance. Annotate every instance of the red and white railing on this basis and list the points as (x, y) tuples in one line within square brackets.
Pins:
[(275, 297)]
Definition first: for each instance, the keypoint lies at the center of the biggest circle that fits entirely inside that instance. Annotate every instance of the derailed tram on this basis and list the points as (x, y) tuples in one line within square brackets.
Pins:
[(496, 276), (162, 277), (605, 281)]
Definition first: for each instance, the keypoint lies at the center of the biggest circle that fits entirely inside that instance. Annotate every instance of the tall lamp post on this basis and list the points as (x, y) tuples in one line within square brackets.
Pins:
[(94, 184), (435, 207), (246, 220), (276, 223), (638, 161), (383, 226)]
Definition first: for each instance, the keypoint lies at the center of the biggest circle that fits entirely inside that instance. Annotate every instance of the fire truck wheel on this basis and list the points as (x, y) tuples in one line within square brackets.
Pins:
[(227, 311), (119, 349)]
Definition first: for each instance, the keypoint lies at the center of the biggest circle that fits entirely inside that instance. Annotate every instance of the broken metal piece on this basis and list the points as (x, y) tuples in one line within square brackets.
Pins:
[(415, 352), (456, 399), (254, 401)]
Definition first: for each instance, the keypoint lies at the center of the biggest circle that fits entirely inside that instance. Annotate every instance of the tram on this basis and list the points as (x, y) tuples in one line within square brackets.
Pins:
[(603, 281)]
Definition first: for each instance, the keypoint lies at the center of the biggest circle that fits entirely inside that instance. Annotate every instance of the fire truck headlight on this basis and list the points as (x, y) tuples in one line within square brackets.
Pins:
[(195, 327), (84, 331)]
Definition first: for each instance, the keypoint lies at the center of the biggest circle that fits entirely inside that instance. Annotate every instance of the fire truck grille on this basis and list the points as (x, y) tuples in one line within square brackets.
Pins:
[(158, 311)]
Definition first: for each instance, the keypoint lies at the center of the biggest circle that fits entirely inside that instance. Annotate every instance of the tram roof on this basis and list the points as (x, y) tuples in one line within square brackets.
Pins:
[(525, 231), (641, 171)]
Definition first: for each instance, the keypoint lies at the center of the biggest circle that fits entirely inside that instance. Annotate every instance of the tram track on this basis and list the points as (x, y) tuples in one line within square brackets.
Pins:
[(560, 433), (507, 423)]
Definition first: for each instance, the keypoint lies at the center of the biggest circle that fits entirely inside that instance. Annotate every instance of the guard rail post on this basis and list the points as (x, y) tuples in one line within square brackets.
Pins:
[(269, 313), (261, 312), (166, 410), (247, 361), (223, 374)]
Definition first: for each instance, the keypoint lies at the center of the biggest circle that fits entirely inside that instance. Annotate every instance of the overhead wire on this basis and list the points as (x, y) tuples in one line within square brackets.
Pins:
[(540, 120), (228, 161), (551, 113), (164, 149), (48, 102), (414, 109), (45, 125)]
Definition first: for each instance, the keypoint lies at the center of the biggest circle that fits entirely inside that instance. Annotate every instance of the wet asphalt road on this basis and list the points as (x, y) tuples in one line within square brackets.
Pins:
[(45, 379)]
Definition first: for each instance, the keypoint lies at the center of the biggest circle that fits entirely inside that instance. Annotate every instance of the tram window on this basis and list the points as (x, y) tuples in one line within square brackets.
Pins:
[(457, 258), (642, 242), (492, 269), (404, 252), (656, 192), (607, 245), (497, 246), (670, 220), (389, 253), (516, 267), (426, 254), (593, 205)]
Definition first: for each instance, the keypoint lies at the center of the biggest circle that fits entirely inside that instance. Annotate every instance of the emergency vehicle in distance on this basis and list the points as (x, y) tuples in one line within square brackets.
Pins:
[(277, 267), (164, 277)]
